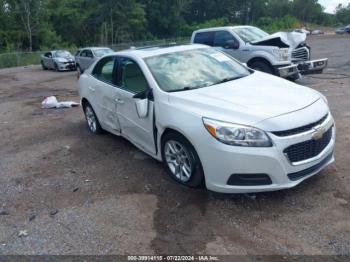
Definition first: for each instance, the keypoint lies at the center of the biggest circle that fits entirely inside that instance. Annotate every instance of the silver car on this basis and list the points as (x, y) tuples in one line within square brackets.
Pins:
[(59, 60), (86, 56)]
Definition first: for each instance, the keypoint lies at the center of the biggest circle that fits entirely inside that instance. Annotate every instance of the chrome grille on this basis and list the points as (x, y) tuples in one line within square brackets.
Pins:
[(301, 54)]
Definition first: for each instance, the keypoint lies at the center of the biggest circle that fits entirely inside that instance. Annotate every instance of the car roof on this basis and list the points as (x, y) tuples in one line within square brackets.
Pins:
[(158, 50), (222, 28), (94, 48)]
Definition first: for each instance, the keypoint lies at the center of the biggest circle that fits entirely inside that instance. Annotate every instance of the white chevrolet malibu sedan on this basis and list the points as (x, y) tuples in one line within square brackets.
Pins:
[(211, 120)]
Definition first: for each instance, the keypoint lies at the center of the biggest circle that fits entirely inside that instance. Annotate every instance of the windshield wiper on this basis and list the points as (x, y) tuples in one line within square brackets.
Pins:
[(186, 88), (228, 79)]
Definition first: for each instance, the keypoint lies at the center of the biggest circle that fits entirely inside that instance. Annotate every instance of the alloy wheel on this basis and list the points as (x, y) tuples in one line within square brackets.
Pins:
[(178, 160), (91, 119)]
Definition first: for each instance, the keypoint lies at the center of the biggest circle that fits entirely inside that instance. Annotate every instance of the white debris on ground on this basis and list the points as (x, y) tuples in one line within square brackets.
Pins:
[(52, 102)]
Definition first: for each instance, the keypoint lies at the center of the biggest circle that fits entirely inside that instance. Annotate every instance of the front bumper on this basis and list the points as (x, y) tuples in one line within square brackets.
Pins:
[(289, 71), (223, 161), (313, 66), (66, 66)]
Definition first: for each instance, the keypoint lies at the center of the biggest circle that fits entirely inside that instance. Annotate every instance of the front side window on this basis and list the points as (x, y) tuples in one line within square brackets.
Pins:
[(89, 53), (83, 53), (193, 69), (221, 38), (132, 77), (104, 69)]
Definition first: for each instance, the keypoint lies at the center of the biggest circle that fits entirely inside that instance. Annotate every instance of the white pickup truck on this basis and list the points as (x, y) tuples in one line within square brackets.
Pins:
[(284, 54)]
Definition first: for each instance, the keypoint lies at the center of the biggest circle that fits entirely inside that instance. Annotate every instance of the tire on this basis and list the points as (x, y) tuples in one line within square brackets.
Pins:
[(181, 160), (43, 66), (262, 66), (92, 120), (56, 67), (80, 71)]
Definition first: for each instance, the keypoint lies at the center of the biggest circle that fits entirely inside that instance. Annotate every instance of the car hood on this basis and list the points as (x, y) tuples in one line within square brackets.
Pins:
[(64, 59), (248, 100), (282, 39)]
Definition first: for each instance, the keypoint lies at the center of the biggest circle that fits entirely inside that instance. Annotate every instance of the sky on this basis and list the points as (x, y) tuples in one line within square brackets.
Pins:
[(330, 5)]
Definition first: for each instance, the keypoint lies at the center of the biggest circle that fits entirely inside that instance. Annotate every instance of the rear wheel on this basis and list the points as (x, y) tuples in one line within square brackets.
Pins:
[(262, 66), (80, 71), (56, 67), (181, 160), (91, 119), (43, 66)]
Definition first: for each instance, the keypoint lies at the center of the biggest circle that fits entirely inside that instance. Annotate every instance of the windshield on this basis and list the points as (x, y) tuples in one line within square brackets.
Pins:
[(250, 34), (193, 69), (102, 52), (63, 54)]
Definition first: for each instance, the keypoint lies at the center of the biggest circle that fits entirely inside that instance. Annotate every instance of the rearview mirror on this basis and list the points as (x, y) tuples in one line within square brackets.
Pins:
[(231, 44)]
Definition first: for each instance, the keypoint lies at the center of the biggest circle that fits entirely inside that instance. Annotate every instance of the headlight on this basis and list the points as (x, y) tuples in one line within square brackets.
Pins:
[(282, 54), (237, 135)]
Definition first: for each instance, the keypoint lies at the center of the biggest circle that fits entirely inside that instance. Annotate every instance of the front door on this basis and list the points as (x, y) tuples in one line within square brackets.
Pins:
[(131, 81), (220, 41)]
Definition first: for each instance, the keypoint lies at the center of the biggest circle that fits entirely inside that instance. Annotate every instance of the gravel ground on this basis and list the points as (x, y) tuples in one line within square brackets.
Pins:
[(66, 191)]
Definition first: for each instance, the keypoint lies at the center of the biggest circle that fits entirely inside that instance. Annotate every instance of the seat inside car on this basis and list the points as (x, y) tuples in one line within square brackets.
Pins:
[(133, 78)]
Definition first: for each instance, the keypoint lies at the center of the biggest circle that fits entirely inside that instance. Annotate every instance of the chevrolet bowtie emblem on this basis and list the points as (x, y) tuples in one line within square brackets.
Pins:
[(319, 132)]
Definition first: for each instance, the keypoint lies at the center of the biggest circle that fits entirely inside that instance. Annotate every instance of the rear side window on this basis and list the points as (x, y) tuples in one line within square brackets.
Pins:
[(205, 38), (221, 38), (104, 69)]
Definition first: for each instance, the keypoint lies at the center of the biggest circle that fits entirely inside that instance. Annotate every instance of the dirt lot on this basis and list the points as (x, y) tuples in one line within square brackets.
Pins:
[(76, 193)]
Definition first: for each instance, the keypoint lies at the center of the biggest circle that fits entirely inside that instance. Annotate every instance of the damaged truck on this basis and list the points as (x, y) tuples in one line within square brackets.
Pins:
[(284, 54)]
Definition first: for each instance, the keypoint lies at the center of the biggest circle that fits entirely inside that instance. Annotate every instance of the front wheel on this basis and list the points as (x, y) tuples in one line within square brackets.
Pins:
[(181, 160), (262, 66)]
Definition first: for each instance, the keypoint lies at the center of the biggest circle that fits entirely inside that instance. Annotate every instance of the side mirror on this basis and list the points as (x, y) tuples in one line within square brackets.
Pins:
[(146, 94), (231, 44), (142, 102)]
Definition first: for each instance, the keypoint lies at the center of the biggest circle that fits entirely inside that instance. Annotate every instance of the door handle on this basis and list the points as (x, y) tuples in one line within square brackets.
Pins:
[(119, 101), (92, 89)]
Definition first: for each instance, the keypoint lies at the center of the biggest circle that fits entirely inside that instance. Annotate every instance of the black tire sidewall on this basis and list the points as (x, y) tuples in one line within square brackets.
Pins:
[(262, 67), (197, 174), (43, 66)]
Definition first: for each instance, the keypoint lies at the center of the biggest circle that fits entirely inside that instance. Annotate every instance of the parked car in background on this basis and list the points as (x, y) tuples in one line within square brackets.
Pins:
[(302, 30), (209, 118), (86, 56), (317, 32), (343, 30), (59, 60), (282, 54)]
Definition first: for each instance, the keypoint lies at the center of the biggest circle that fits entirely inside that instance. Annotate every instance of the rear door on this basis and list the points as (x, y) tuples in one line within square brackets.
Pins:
[(85, 59), (47, 60), (104, 92), (131, 81)]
